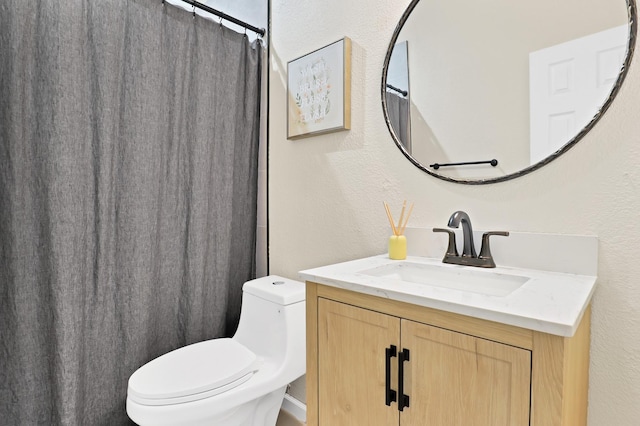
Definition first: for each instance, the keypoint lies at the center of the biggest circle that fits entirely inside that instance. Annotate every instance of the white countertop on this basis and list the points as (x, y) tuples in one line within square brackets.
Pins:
[(549, 302)]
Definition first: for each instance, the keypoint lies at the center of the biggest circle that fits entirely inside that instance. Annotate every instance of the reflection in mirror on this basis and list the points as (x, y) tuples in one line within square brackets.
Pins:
[(568, 82), (517, 82), (397, 94)]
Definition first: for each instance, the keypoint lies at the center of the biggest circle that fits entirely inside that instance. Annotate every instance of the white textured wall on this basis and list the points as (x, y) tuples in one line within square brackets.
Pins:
[(326, 192)]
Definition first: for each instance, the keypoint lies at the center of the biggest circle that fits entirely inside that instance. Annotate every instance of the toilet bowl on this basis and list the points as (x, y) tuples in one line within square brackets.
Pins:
[(239, 381)]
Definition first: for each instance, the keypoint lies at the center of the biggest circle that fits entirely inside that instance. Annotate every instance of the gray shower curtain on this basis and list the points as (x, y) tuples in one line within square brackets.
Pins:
[(399, 111), (128, 180)]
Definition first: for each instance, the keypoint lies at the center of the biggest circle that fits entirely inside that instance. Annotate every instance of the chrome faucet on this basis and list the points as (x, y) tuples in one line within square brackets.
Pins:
[(469, 256)]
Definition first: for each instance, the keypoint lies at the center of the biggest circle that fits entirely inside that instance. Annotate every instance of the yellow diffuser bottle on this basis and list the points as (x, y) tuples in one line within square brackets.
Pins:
[(398, 242), (397, 247)]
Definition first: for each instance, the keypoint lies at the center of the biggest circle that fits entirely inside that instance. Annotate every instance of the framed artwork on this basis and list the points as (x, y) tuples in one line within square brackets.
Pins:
[(319, 91)]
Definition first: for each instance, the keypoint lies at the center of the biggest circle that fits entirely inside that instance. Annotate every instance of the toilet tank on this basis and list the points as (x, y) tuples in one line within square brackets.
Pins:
[(281, 291), (272, 320)]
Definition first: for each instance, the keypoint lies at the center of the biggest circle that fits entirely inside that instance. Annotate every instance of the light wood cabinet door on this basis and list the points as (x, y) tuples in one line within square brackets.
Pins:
[(454, 379), (507, 376), (352, 363)]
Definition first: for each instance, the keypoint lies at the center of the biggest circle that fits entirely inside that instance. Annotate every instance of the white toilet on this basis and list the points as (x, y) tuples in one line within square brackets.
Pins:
[(230, 382)]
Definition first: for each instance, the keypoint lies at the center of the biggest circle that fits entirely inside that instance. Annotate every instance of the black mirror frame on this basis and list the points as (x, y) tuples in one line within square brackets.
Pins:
[(633, 24)]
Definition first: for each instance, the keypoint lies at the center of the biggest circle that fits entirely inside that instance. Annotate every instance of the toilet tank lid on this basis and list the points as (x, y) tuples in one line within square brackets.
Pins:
[(276, 289)]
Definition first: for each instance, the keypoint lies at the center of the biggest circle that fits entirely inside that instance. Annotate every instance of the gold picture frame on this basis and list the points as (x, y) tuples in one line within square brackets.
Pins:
[(319, 91)]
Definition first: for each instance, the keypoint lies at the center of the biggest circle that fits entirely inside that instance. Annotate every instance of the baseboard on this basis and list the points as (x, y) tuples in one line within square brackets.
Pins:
[(295, 407)]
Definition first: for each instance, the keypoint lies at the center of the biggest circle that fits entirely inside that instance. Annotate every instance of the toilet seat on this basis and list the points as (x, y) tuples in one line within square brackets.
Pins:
[(194, 372)]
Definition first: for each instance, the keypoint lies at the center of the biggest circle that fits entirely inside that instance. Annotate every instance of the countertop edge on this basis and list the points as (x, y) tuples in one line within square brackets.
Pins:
[(564, 329)]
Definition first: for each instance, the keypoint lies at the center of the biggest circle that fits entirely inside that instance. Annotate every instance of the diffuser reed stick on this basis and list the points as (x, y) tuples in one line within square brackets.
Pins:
[(403, 227), (402, 223), (390, 217), (404, 205)]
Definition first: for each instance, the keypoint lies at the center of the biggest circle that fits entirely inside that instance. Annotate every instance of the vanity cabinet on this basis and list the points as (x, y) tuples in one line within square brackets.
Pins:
[(460, 370), (450, 378)]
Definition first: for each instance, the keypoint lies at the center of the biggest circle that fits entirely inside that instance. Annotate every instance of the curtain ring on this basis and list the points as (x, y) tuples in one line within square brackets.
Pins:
[(194, 10)]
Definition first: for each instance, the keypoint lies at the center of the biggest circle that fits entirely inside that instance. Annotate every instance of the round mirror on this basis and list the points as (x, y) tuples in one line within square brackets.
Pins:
[(494, 89)]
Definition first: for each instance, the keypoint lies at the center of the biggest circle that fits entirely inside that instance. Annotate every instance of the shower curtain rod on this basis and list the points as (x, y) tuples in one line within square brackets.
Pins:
[(222, 15), (403, 92)]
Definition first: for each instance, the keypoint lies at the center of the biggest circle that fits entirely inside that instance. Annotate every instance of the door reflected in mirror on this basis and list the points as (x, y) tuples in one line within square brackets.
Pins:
[(516, 82)]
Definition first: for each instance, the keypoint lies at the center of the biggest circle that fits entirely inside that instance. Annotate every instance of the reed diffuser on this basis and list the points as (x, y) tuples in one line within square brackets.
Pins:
[(398, 242)]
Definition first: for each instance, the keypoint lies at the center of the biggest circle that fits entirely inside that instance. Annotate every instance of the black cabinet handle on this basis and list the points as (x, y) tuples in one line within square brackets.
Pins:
[(403, 400), (390, 394)]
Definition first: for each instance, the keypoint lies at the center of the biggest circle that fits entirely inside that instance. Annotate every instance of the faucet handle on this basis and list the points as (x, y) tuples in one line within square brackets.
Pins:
[(452, 250), (485, 251)]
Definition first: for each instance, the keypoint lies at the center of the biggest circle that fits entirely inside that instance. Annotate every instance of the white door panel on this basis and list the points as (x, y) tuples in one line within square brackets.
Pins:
[(568, 85)]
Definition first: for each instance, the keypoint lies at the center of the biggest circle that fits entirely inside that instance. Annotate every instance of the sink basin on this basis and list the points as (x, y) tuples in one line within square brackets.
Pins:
[(463, 278)]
